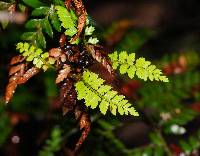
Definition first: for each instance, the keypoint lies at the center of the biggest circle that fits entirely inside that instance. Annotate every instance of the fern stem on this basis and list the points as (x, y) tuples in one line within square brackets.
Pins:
[(148, 120), (165, 146)]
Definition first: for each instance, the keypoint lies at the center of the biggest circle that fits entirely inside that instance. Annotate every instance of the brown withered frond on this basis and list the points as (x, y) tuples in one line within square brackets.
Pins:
[(63, 73), (18, 75), (84, 123), (67, 96), (100, 57)]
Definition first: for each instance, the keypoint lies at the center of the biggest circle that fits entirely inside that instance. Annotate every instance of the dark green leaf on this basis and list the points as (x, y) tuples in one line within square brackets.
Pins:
[(136, 152), (159, 151), (40, 11), (148, 151), (47, 27), (106, 125), (58, 2), (49, 79), (186, 147), (28, 36), (22, 7), (193, 142), (55, 21), (155, 138), (40, 41), (34, 23), (33, 3), (198, 134)]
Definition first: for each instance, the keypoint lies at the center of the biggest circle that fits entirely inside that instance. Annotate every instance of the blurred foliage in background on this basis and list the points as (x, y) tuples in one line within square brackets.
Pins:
[(32, 124)]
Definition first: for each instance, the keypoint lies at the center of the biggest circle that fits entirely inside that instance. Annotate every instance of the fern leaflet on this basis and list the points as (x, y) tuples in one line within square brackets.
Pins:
[(31, 53), (92, 89), (140, 67), (68, 19)]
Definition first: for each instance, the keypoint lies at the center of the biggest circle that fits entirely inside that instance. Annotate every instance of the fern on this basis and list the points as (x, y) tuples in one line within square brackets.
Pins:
[(43, 21), (92, 89), (92, 40), (191, 144), (155, 148), (174, 93), (69, 22), (50, 17), (89, 30), (36, 55), (142, 68), (53, 144), (68, 19)]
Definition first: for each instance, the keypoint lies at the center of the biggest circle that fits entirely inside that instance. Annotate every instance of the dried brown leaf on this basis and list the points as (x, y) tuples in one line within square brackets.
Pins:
[(78, 112), (17, 59), (19, 77), (70, 101), (63, 73), (62, 40), (16, 69), (55, 52), (81, 24), (100, 57), (10, 88), (85, 125), (28, 74), (67, 96), (84, 121), (65, 110), (15, 72), (68, 4), (82, 15)]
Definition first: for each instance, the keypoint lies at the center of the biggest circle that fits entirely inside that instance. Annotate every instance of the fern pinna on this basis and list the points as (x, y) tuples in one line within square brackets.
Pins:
[(140, 67), (31, 53), (76, 52), (94, 92)]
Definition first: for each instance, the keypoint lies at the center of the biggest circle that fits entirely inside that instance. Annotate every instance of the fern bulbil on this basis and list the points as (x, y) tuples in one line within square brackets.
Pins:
[(31, 53), (92, 89), (126, 63)]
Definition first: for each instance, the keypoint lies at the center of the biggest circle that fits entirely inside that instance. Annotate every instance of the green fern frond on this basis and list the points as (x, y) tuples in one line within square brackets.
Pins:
[(140, 67), (34, 54), (92, 89), (68, 19), (53, 144)]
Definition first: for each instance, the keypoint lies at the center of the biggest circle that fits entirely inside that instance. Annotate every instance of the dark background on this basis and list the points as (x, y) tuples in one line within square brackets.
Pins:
[(177, 26)]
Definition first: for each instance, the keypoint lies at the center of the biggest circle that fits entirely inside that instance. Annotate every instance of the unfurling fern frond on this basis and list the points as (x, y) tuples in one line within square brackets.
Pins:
[(31, 53), (68, 19), (140, 67), (91, 88)]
